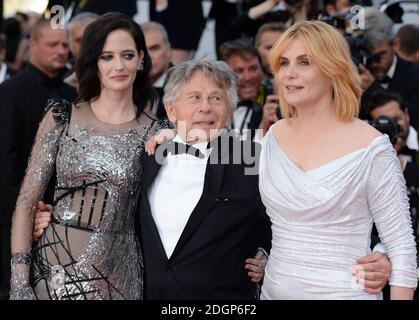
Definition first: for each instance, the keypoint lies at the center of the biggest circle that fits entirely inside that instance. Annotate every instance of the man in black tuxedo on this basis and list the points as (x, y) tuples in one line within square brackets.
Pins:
[(23, 101), (388, 71), (201, 216), (255, 108)]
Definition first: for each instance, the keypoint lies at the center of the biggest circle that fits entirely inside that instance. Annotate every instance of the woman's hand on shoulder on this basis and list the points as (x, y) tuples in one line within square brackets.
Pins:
[(161, 137)]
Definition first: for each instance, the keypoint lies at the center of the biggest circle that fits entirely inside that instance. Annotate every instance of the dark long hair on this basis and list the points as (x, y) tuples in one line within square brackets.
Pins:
[(90, 49)]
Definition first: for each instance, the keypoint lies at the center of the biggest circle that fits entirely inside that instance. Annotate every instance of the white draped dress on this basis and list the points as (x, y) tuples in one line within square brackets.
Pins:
[(322, 221)]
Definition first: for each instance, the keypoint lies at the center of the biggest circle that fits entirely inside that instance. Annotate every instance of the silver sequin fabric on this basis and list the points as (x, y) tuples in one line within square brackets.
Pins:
[(90, 251), (322, 221)]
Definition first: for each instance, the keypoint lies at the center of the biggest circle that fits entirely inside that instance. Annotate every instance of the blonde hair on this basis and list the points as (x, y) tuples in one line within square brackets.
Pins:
[(329, 51)]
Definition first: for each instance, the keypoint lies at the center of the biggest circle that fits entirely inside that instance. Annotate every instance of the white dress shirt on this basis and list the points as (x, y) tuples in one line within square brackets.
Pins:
[(239, 121), (3, 72), (390, 72), (412, 144), (175, 192), (412, 139), (159, 83)]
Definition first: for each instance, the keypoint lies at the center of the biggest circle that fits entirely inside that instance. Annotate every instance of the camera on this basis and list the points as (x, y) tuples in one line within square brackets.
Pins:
[(357, 43), (359, 52), (388, 126), (269, 90), (338, 19)]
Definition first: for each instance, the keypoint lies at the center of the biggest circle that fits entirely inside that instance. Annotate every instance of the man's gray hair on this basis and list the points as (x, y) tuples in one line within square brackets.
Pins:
[(148, 26), (83, 18), (378, 27), (219, 71)]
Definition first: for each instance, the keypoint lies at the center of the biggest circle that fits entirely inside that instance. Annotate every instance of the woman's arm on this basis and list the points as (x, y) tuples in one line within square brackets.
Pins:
[(389, 206), (401, 293), (38, 173)]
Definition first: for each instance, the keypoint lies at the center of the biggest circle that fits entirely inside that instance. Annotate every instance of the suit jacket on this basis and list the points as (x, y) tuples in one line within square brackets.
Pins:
[(161, 111), (405, 82), (23, 101), (183, 20), (227, 226)]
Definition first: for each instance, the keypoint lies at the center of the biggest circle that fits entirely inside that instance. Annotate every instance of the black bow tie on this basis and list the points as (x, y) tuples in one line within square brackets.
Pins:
[(174, 147), (385, 80), (246, 103)]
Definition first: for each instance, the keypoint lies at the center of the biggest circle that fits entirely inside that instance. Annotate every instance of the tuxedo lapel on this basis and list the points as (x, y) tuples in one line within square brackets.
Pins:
[(399, 73), (151, 169)]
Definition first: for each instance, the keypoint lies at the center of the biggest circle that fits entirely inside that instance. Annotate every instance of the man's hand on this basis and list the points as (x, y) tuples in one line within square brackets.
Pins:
[(372, 272), (256, 267), (367, 78), (42, 220)]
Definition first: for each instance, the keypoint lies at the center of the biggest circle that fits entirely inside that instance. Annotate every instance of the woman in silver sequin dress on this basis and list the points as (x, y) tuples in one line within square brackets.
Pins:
[(90, 250), (325, 176)]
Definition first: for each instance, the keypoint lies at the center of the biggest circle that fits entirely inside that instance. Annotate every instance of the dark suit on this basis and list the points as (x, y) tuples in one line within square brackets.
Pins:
[(161, 111), (23, 101), (405, 82), (224, 13), (227, 226), (183, 21)]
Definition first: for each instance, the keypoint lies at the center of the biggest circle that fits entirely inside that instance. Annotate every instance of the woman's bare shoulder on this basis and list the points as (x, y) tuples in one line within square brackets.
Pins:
[(281, 125), (364, 132)]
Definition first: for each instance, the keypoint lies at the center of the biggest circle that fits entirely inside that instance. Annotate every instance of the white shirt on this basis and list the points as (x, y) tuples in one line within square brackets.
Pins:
[(390, 72), (159, 83), (175, 193), (3, 72), (239, 117), (412, 139), (411, 143), (241, 120)]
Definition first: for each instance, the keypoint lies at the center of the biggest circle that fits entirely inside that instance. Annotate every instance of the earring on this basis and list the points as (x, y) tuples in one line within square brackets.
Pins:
[(141, 66)]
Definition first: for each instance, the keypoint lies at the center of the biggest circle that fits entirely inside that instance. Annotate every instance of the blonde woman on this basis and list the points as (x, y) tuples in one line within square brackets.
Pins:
[(326, 176)]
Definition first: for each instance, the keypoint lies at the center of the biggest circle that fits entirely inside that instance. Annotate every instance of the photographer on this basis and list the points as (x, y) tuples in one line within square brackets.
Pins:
[(266, 37), (405, 137), (390, 116), (387, 71), (258, 107), (331, 7), (286, 11), (337, 13)]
